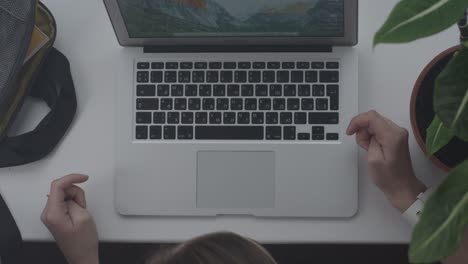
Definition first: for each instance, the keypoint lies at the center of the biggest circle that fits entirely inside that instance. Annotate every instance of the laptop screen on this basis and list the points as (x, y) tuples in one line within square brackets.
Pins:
[(233, 18)]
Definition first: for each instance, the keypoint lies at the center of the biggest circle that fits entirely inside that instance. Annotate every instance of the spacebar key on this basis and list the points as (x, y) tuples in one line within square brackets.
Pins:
[(229, 132)]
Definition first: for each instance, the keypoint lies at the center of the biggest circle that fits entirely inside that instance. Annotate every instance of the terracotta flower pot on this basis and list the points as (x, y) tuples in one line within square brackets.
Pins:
[(422, 113)]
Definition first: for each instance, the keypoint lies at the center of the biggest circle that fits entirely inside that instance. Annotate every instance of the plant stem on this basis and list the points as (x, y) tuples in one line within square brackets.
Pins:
[(463, 25)]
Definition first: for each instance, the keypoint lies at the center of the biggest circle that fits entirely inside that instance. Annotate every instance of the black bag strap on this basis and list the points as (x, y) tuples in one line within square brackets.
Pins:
[(54, 84), (10, 236)]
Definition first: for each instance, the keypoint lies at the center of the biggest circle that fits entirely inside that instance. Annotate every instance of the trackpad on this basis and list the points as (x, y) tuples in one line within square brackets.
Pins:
[(235, 179)]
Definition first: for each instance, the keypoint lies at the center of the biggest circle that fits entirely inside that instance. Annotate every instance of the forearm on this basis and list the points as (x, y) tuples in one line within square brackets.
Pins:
[(461, 256)]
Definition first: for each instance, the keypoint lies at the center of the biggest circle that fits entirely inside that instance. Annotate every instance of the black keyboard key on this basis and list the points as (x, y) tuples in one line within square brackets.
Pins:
[(208, 104), (240, 77), (308, 104), (286, 118), (156, 76), (261, 90), (236, 104), (205, 90), (258, 118), (247, 90), (311, 77), (163, 90), (191, 90), (233, 90), (271, 118), (279, 104), (226, 76), (303, 136), (323, 118), (318, 90), (273, 133), (186, 65), (244, 65), (142, 76), (141, 132), (143, 117), (288, 65), (282, 76), (329, 76), (289, 133), (255, 76), (215, 65), (333, 136), (276, 90), (155, 132), (321, 104), (157, 65), (290, 90), (333, 93), (333, 65), (318, 137), (170, 76), (297, 76), (180, 104), (185, 132), (243, 118), (273, 65), (146, 90), (201, 118), (222, 104), (229, 65), (201, 65), (303, 65), (159, 118), (264, 104), (187, 117), (300, 118), (198, 76), (229, 132), (194, 104), (147, 104), (169, 132), (166, 104), (268, 76), (229, 118), (212, 76), (184, 76), (172, 65), (219, 90), (173, 118), (216, 118), (177, 90), (259, 65), (293, 104), (304, 90), (250, 104), (318, 65)]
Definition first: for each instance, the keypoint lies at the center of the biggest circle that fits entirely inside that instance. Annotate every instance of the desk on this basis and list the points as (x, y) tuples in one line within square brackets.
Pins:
[(86, 36)]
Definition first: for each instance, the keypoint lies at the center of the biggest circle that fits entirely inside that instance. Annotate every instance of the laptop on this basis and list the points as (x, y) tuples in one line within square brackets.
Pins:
[(237, 108)]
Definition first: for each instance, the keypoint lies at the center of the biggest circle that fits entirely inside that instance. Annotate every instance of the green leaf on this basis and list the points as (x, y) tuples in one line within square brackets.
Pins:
[(438, 135), (444, 218), (451, 95), (415, 19)]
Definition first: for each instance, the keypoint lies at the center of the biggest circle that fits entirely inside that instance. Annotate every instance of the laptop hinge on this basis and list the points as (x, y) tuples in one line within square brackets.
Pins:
[(246, 49)]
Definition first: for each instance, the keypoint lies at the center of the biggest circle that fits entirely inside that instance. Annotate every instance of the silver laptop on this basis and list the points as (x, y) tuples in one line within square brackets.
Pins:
[(237, 108)]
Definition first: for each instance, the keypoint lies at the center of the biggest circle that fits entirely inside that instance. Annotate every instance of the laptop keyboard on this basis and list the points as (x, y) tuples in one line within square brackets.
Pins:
[(290, 101)]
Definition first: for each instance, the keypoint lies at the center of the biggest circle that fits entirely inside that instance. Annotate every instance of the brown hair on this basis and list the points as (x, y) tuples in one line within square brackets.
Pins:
[(224, 247)]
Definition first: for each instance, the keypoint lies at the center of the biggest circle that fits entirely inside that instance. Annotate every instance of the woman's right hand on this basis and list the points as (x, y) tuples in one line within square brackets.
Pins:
[(72, 226)]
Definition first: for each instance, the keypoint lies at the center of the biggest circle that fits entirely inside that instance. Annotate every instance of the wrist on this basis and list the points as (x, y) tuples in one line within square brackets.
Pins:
[(403, 197), (87, 260)]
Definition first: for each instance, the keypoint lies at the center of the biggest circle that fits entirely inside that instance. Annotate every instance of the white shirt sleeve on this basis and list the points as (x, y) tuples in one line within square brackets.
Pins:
[(413, 213)]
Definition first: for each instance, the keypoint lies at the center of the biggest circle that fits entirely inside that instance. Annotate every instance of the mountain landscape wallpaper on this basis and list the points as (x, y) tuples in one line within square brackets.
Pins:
[(160, 18)]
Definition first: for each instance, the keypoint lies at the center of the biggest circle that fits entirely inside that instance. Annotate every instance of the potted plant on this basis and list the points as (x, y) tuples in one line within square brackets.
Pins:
[(445, 216)]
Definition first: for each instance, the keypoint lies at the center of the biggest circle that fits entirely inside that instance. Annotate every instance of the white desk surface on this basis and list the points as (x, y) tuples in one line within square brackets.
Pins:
[(86, 36)]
